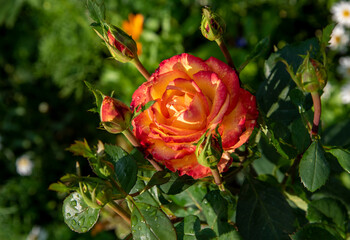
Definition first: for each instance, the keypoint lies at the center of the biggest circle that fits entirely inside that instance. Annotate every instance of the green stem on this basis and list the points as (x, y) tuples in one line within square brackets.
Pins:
[(226, 53), (120, 211), (317, 113), (141, 68), (131, 137), (217, 178)]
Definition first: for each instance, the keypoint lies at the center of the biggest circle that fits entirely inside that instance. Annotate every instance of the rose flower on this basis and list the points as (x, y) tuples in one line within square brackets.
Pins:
[(192, 96)]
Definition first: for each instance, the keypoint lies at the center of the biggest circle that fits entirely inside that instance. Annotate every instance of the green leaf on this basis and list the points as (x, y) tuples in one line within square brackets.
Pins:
[(273, 95), (98, 97), (263, 212), (300, 135), (313, 167), (80, 148), (150, 223), (77, 214), (96, 9), (59, 187), (145, 196), (125, 166), (139, 109), (189, 228), (326, 34), (327, 210), (343, 157), (177, 184), (159, 178), (215, 211), (259, 49), (316, 231)]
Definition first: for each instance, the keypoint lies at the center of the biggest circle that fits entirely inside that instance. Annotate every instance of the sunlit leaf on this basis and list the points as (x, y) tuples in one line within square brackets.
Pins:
[(81, 149), (314, 168), (150, 223), (77, 214), (343, 157)]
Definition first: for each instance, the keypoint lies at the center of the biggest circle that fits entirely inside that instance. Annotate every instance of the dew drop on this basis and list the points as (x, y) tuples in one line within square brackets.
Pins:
[(68, 215), (84, 229), (74, 222), (139, 228)]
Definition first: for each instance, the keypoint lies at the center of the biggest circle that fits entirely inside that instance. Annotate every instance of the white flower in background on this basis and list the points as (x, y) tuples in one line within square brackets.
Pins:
[(24, 165), (327, 90), (345, 93), (341, 13), (37, 233), (344, 67), (339, 38)]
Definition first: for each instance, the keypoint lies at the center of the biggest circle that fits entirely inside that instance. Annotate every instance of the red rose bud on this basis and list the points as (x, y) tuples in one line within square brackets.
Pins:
[(121, 46), (209, 151), (115, 115), (311, 75), (212, 26)]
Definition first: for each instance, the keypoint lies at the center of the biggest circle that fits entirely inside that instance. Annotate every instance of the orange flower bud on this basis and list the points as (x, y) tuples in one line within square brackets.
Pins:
[(115, 115)]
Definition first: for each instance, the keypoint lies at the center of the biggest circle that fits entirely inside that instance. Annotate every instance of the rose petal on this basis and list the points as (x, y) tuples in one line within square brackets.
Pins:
[(141, 96), (216, 90), (228, 76), (184, 62), (194, 117), (164, 152), (183, 138), (240, 120), (160, 83)]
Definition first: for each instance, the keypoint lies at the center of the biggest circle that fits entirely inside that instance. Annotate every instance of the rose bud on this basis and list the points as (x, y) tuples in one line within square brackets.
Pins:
[(115, 115), (121, 46), (212, 25), (209, 151), (311, 75)]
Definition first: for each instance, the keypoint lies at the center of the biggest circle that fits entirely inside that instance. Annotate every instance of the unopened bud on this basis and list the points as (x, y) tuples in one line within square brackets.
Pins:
[(209, 151), (212, 25), (115, 115), (121, 46), (311, 75)]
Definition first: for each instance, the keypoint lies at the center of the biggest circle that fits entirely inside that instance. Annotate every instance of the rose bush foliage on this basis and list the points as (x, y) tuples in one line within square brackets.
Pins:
[(192, 96)]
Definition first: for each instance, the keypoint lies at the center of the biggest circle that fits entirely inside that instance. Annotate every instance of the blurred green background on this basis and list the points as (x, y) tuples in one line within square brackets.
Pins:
[(47, 50)]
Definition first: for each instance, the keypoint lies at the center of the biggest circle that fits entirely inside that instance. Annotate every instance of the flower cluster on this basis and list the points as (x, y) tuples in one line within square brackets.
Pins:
[(341, 15), (339, 42)]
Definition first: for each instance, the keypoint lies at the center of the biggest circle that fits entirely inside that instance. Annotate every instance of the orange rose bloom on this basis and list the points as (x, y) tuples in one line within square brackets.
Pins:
[(192, 96)]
